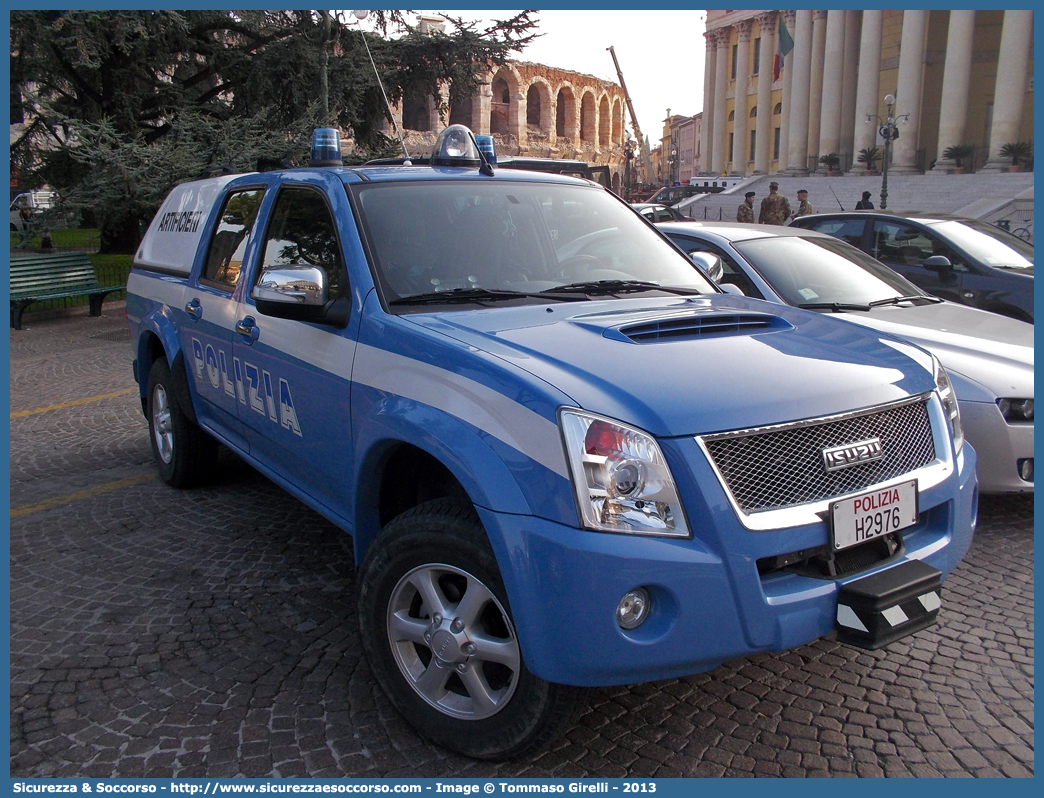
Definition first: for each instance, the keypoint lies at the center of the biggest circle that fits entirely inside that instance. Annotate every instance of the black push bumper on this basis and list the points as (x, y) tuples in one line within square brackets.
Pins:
[(884, 607)]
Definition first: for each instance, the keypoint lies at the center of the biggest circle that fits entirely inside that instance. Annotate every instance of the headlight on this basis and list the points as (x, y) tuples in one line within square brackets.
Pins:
[(1016, 411), (621, 480), (949, 403)]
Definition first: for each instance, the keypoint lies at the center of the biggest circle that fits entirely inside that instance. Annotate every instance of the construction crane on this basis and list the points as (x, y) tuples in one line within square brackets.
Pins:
[(645, 158)]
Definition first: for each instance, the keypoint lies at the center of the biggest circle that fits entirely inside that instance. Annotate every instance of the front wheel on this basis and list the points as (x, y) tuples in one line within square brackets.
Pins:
[(185, 455), (437, 629)]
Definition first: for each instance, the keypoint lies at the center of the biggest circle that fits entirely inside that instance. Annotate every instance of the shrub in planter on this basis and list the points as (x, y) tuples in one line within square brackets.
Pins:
[(958, 153), (1018, 151), (869, 156)]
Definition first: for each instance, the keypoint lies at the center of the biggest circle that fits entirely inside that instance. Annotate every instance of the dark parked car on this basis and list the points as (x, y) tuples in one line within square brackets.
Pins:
[(963, 260)]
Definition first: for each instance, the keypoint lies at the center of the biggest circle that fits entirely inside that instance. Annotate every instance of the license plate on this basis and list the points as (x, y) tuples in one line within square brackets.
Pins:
[(858, 519)]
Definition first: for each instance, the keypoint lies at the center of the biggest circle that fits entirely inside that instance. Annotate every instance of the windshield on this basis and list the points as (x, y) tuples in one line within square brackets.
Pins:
[(807, 271), (465, 239), (988, 244)]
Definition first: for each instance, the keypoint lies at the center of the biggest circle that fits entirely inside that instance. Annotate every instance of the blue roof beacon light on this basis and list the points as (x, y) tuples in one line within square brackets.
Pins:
[(487, 147), (326, 147)]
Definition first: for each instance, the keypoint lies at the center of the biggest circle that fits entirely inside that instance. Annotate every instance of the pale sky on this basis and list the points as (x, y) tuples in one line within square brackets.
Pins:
[(660, 53)]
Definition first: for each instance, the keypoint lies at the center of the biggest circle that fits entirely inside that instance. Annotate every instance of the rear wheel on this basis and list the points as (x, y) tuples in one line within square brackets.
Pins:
[(185, 455), (438, 632)]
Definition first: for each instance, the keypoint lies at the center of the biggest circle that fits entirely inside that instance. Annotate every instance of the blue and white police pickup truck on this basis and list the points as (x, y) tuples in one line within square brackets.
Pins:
[(566, 459)]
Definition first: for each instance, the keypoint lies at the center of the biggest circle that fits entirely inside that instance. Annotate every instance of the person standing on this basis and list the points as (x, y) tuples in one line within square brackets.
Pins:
[(865, 204), (804, 206), (775, 208), (745, 212)]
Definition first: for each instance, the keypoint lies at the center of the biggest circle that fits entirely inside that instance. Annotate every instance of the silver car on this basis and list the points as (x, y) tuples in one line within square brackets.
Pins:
[(989, 357)]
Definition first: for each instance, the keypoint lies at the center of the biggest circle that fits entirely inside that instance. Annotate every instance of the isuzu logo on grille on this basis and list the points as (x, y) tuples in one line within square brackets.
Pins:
[(837, 457)]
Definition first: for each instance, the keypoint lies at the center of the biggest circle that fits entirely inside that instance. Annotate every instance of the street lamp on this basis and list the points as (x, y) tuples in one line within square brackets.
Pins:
[(672, 162), (629, 146), (889, 131)]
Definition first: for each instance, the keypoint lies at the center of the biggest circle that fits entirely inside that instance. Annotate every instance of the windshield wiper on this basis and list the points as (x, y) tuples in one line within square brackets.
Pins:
[(837, 307), (895, 300), (595, 287), (468, 295)]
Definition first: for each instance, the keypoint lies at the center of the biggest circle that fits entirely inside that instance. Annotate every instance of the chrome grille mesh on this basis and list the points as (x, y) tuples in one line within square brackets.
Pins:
[(773, 469)]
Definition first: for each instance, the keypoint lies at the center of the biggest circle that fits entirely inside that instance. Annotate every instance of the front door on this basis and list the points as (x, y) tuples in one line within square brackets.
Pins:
[(905, 248), (296, 376)]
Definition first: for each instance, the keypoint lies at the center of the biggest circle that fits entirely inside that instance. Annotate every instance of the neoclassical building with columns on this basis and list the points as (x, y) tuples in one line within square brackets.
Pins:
[(958, 77)]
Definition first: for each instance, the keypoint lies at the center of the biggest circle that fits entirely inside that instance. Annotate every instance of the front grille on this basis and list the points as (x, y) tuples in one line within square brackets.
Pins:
[(774, 468)]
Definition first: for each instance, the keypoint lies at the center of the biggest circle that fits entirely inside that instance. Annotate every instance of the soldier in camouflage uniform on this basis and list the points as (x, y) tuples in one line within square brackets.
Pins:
[(804, 206), (775, 208), (745, 212)]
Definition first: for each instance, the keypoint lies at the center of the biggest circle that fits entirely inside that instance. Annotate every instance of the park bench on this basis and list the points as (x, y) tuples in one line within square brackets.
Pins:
[(39, 278)]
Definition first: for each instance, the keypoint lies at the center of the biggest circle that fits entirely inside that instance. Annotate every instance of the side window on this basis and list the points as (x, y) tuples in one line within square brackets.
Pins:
[(302, 231), (227, 245), (904, 244), (733, 273), (848, 230)]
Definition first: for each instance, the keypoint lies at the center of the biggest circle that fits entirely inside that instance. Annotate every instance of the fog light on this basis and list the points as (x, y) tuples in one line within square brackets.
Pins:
[(1016, 411), (1026, 469), (634, 608)]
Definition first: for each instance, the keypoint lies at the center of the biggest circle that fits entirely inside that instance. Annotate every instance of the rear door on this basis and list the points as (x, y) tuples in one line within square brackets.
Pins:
[(210, 311)]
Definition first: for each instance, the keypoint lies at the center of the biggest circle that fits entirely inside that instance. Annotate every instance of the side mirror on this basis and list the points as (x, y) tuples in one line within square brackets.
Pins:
[(731, 288), (710, 263), (299, 293), (938, 263)]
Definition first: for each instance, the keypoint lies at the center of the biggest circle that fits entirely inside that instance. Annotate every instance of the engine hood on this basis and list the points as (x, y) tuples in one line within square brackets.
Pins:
[(992, 350), (696, 365)]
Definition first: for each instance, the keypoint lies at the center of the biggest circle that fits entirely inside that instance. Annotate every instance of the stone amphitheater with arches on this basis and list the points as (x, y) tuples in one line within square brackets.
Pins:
[(530, 110)]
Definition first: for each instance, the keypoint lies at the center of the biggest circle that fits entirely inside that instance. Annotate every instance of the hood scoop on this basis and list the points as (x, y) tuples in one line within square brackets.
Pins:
[(697, 325)]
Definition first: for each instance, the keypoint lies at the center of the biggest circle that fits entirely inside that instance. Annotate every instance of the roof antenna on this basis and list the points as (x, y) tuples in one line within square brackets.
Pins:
[(361, 15)]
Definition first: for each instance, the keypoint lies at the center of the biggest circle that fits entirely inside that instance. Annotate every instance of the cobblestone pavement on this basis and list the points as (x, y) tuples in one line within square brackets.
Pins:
[(212, 633)]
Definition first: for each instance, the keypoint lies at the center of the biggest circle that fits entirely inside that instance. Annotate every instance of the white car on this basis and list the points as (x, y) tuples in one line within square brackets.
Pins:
[(989, 357)]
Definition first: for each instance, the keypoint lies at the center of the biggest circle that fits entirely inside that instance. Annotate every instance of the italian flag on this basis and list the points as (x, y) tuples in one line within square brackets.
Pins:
[(784, 45)]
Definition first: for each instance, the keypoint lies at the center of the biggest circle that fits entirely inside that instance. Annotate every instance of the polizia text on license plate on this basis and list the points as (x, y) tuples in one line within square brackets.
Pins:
[(860, 518)]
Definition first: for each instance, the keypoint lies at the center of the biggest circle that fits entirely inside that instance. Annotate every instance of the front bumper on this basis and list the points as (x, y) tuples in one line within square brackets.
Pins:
[(999, 445), (709, 603)]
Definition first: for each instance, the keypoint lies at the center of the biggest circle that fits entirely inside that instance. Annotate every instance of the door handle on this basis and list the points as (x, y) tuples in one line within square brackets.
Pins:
[(968, 294), (194, 309), (247, 327)]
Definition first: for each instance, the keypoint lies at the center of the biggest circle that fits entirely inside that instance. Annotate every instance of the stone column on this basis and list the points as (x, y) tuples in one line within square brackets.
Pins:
[(848, 85), (739, 126), (833, 59), (763, 145), (481, 104), (707, 125), (868, 82), (1010, 92), (815, 90), (908, 90), (956, 82), (797, 143), (788, 81), (721, 71)]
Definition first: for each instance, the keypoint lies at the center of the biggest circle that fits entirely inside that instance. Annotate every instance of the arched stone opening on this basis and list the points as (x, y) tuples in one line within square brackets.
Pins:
[(588, 122), (538, 106), (416, 112), (617, 122), (461, 107), (565, 114)]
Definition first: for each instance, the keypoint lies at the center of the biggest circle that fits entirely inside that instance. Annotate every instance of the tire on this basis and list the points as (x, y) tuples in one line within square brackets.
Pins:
[(479, 700), (185, 455)]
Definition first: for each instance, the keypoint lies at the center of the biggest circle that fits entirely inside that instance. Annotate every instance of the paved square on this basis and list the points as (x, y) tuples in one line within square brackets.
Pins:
[(212, 632)]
